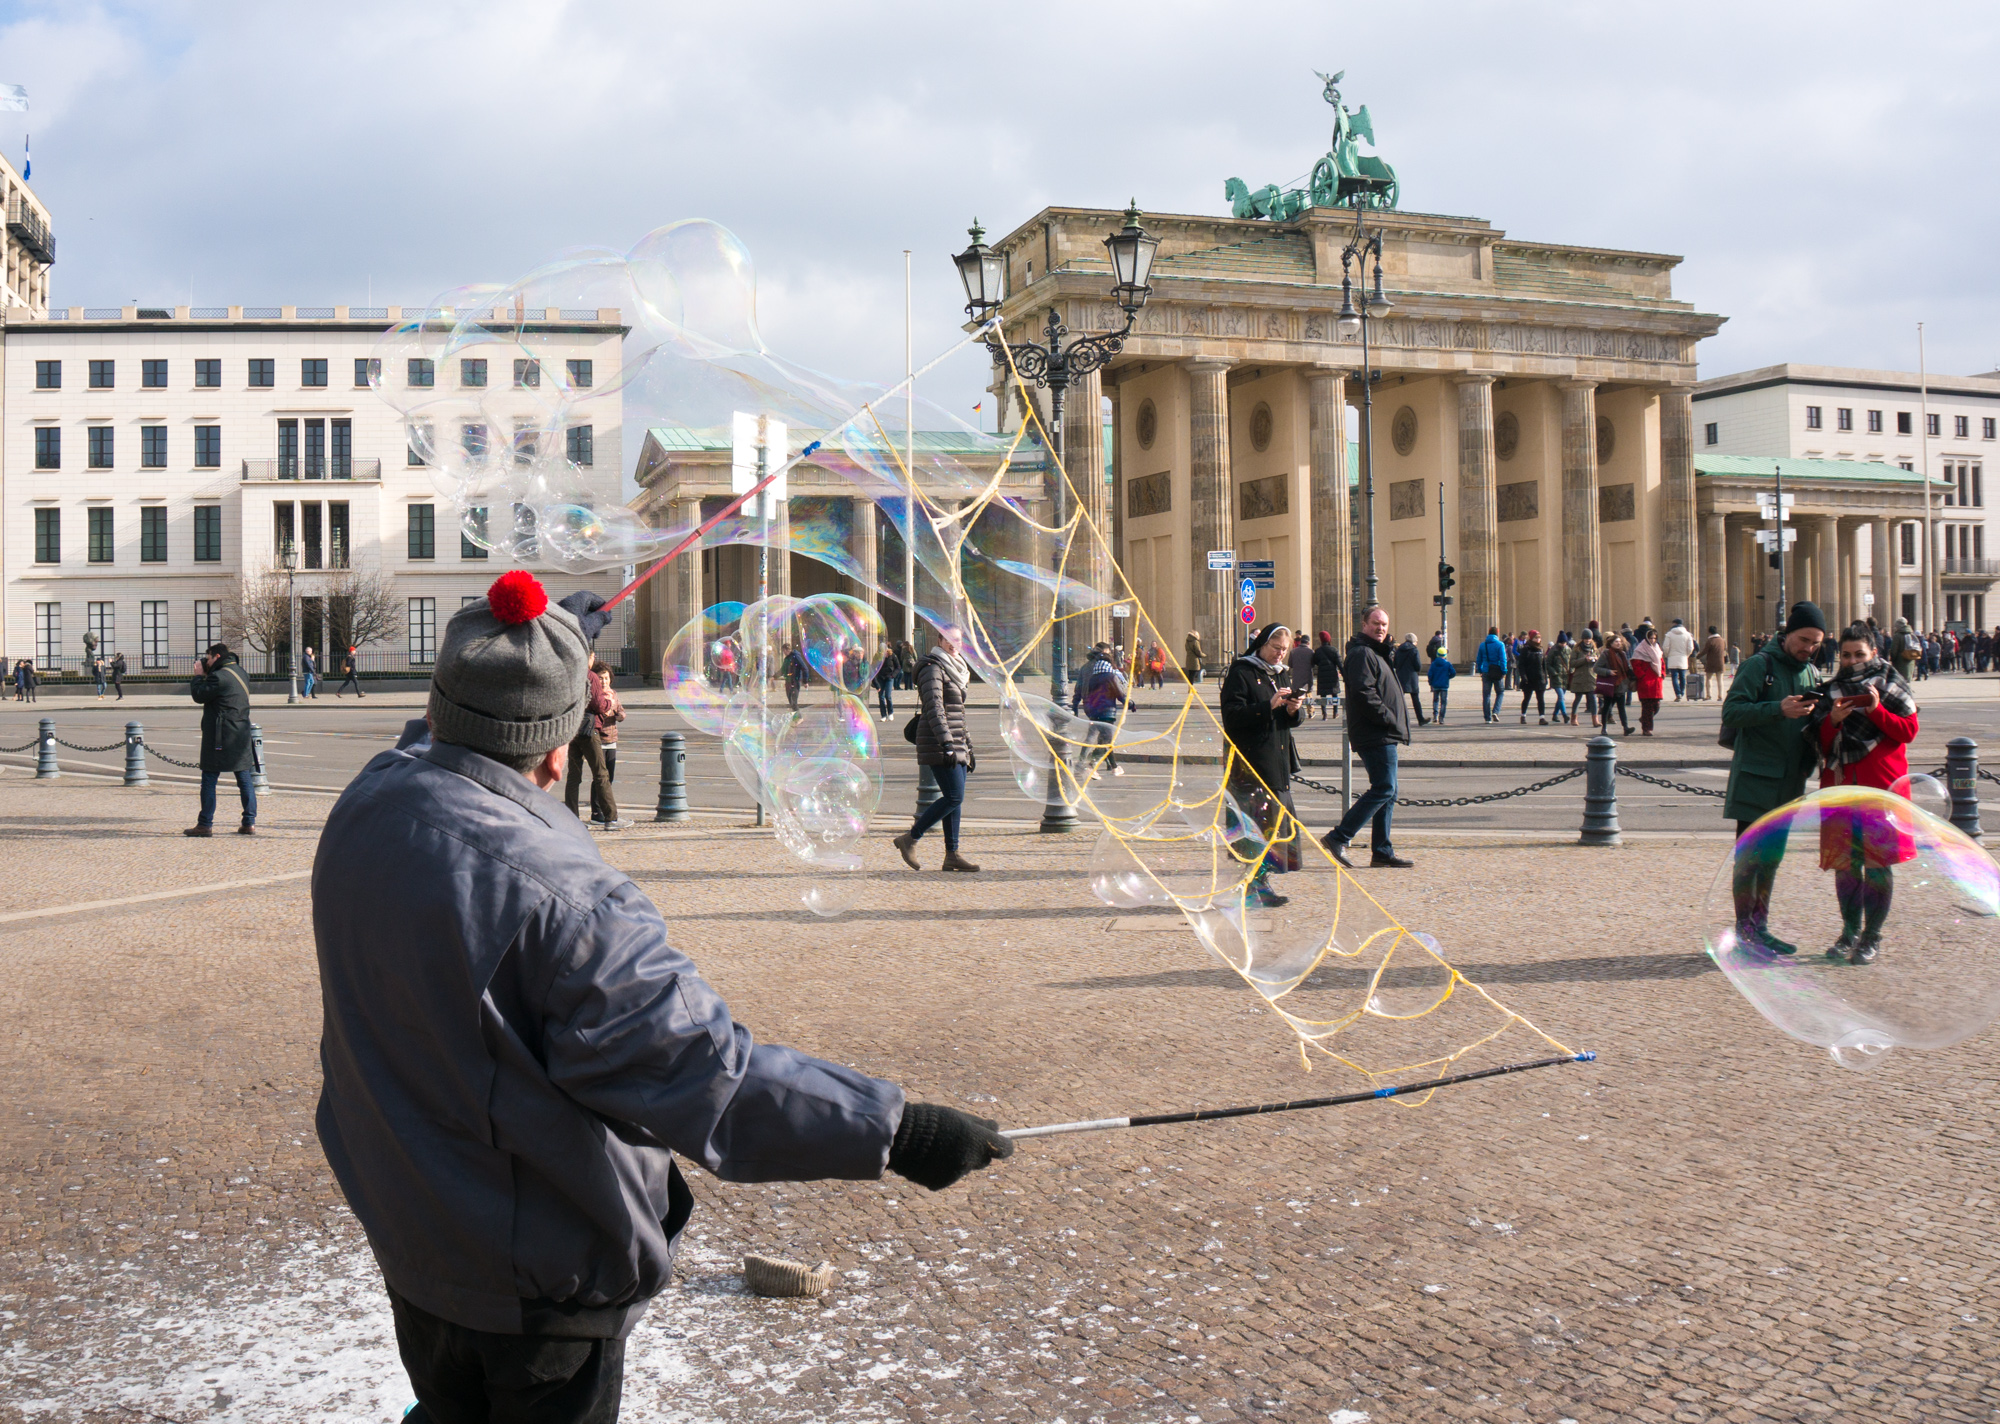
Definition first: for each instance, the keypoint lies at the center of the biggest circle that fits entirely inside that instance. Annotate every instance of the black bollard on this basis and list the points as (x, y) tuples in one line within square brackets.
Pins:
[(1600, 794), (259, 782), (1961, 774), (135, 754), (45, 755), (673, 805)]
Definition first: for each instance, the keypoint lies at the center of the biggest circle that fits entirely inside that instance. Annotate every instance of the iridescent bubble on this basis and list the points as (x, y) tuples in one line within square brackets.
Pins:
[(1856, 921)]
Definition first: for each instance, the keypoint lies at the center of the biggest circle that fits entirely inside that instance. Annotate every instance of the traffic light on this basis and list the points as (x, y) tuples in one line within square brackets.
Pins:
[(1445, 579)]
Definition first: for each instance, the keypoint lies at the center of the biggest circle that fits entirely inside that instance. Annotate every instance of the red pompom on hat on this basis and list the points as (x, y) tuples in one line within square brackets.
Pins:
[(517, 596)]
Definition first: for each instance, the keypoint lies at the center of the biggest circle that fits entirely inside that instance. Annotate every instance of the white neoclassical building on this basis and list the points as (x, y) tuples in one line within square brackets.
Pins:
[(151, 456)]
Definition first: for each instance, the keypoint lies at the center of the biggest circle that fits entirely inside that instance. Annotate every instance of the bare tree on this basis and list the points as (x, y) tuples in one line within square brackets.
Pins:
[(258, 611), (362, 605)]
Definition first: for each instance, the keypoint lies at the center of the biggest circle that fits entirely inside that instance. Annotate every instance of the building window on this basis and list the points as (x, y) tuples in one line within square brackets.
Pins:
[(102, 619), (527, 441), (1986, 425), (367, 371), (423, 630), (207, 623), (475, 523), (580, 374), (1978, 494), (48, 536), (153, 633), (152, 533), (581, 445), (342, 453), (1875, 422), (102, 438), (208, 447), (1844, 417), (419, 442), (288, 449), (208, 537), (208, 371), (48, 376), (1931, 424), (336, 533), (103, 375), (527, 374), (152, 447), (1965, 485), (1812, 417), (423, 371), (1711, 434), (423, 531), (1905, 423), (153, 375), (48, 447), (472, 371), (1961, 426), (312, 371), (48, 634), (472, 439), (1908, 536), (100, 527), (263, 371)]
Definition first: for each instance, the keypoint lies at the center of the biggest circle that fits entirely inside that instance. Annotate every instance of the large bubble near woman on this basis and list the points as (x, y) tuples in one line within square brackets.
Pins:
[(1857, 921)]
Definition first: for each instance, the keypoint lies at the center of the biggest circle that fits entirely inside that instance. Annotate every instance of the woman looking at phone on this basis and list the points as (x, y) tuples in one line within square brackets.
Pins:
[(1863, 731), (1260, 706)]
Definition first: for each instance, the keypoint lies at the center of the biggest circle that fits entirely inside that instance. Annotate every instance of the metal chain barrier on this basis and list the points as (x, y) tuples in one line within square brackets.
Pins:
[(170, 761), (108, 747), (1624, 770), (26, 746), (1416, 801)]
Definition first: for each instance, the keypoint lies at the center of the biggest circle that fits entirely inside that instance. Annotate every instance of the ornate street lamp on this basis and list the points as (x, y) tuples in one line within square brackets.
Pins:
[(289, 557), (1053, 366), (1374, 306)]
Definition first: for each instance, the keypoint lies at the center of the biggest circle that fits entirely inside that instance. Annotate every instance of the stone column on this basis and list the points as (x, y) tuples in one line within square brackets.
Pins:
[(1089, 554), (1882, 555), (1852, 533), (1212, 505), (864, 544), (1826, 569), (1714, 575), (1679, 568), (1583, 591), (1332, 533), (1115, 491), (1478, 558), (1736, 623), (683, 580)]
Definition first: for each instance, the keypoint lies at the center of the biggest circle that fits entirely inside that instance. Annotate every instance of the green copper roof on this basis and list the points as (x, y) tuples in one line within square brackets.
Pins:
[(1800, 469)]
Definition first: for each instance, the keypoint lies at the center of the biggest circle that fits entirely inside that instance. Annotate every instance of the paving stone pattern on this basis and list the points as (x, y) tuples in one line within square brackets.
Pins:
[(1710, 1223)]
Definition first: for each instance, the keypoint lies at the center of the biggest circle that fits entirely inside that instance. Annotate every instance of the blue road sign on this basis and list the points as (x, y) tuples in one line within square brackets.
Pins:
[(1247, 590), (1257, 565)]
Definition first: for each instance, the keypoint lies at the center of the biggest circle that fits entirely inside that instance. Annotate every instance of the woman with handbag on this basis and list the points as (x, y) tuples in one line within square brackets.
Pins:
[(1583, 682), (1614, 675), (944, 747)]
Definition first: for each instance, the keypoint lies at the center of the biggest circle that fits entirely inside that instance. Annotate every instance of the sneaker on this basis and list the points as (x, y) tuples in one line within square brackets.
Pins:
[(1865, 949), (1264, 897), (199, 831), (1541, 721), (906, 848), (1524, 719), (1336, 849), (1842, 947), (609, 825), (1754, 935), (1389, 860)]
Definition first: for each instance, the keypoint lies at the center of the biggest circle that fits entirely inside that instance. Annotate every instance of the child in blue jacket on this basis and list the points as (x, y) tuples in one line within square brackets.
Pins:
[(1440, 675)]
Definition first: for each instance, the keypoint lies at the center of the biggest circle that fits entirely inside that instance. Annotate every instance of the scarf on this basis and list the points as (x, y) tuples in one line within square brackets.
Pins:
[(1858, 735), (954, 665)]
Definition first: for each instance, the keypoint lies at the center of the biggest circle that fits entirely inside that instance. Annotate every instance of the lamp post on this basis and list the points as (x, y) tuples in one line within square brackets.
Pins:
[(1374, 306), (1053, 365), (289, 557)]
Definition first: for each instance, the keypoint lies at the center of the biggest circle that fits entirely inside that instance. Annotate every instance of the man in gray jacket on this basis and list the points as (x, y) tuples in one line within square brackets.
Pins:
[(513, 1052)]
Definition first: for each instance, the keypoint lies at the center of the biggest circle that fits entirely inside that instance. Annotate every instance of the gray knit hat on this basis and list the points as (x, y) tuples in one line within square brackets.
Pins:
[(510, 675)]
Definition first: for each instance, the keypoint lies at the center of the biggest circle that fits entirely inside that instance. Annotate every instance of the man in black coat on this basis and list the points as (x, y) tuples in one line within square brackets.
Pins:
[(1410, 674), (1376, 726), (224, 696), (1260, 706)]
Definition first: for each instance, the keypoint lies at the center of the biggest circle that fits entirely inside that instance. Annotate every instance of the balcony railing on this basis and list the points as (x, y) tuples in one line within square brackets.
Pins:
[(28, 228), (1972, 568), (313, 467)]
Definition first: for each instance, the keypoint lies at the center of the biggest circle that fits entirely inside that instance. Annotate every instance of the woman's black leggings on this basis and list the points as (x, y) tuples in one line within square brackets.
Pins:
[(1541, 707)]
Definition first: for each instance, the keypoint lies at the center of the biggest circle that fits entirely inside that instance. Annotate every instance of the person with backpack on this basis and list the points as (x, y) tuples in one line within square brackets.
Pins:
[(118, 666), (1559, 659), (884, 682), (1532, 668), (1326, 673), (1583, 682), (1101, 694), (1764, 726), (1906, 650), (1439, 674), (1490, 662)]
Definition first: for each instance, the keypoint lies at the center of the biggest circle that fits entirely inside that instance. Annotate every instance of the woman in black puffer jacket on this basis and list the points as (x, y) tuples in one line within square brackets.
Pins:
[(944, 747), (1531, 665)]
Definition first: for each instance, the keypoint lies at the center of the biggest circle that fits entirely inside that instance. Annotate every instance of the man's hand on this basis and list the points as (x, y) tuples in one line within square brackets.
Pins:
[(1797, 706), (936, 1145)]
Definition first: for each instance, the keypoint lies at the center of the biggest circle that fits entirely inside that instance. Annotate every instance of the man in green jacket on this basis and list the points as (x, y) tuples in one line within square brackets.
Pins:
[(1767, 706)]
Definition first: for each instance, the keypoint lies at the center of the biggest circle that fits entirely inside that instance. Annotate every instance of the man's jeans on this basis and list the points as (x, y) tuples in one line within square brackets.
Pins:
[(1680, 677), (1377, 803), (245, 787), (1490, 694)]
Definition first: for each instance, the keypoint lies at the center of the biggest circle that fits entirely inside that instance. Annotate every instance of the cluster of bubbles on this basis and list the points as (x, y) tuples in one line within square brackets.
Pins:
[(1860, 921), (816, 768), (969, 536)]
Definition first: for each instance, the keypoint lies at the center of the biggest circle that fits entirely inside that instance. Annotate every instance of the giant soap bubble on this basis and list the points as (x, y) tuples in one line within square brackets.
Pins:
[(1857, 921), (982, 537)]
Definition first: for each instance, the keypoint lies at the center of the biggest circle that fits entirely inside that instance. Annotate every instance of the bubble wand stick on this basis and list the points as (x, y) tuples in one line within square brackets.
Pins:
[(1107, 1124)]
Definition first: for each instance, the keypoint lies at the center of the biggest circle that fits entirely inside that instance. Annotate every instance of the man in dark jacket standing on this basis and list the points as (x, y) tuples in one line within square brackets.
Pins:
[(1376, 726), (512, 1051), (224, 696)]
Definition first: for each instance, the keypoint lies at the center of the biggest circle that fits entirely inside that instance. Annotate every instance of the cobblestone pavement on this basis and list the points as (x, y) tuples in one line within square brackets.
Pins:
[(1712, 1222)]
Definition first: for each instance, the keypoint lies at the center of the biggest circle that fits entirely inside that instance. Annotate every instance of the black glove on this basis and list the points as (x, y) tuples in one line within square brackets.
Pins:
[(585, 605), (935, 1146)]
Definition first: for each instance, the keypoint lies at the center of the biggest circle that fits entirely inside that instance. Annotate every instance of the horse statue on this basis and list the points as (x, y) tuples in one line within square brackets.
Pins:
[(1343, 178)]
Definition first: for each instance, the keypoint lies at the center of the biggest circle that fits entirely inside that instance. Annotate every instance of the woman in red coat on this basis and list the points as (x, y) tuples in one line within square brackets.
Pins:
[(1862, 736)]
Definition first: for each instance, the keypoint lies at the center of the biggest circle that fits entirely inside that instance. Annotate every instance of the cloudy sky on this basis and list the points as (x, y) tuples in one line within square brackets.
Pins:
[(1827, 169)]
